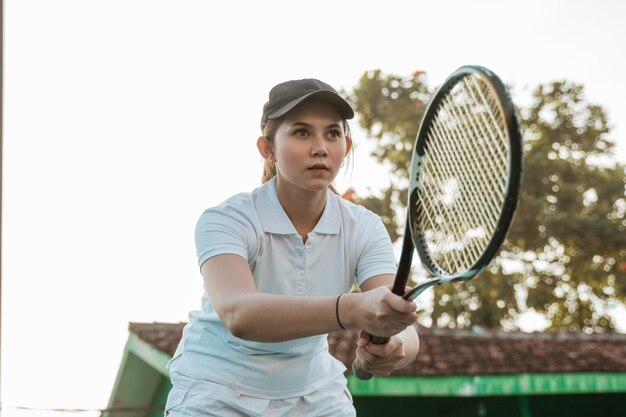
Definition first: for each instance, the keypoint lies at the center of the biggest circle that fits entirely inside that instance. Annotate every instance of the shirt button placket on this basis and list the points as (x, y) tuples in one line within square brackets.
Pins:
[(301, 266), (307, 256)]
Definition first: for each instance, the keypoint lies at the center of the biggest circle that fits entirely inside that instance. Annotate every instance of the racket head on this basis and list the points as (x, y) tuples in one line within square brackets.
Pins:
[(465, 175)]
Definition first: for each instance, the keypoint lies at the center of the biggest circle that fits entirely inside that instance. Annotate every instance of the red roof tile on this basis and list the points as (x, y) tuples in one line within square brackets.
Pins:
[(455, 352)]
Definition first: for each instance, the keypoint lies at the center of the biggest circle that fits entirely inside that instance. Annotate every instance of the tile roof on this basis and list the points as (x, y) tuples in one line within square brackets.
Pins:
[(459, 352)]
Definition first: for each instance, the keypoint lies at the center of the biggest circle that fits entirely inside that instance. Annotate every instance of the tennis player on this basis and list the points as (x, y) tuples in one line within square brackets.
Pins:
[(278, 264)]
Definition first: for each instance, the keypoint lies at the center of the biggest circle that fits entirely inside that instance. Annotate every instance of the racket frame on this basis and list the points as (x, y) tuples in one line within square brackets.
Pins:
[(513, 183)]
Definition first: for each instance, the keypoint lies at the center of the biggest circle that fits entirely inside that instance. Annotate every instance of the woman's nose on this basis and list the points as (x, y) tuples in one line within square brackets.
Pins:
[(318, 147)]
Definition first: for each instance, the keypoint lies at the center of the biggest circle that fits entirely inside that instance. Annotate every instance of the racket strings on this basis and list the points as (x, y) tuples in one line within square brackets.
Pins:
[(496, 117), (492, 128), (468, 194), (463, 180), (486, 163), (457, 214), (476, 177), (478, 171)]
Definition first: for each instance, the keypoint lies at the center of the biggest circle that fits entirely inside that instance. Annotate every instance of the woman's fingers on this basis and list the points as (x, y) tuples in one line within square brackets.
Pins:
[(379, 359), (385, 313), (399, 304)]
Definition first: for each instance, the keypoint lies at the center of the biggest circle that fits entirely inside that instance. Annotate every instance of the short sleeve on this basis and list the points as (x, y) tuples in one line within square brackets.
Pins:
[(375, 255), (224, 229)]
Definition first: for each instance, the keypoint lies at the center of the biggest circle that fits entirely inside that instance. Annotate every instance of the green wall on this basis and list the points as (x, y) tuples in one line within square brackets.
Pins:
[(576, 405)]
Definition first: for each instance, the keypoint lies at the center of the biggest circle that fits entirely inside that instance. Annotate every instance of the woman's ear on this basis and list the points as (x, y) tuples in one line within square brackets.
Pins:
[(348, 144), (265, 149)]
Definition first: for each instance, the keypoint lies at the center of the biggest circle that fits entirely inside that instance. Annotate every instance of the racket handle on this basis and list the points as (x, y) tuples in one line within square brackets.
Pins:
[(379, 340), (399, 284), (361, 373)]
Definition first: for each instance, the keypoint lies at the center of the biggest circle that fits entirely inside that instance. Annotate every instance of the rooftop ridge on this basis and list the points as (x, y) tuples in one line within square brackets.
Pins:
[(456, 333)]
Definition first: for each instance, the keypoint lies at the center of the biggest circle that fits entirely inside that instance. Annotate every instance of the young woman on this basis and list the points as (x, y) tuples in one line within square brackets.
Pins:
[(278, 265)]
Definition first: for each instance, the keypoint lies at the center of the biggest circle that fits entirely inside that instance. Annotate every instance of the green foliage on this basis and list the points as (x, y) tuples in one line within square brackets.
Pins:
[(390, 108), (565, 256)]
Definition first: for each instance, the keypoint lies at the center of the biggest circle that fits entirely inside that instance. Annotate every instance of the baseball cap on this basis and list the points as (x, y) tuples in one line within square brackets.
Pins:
[(285, 96)]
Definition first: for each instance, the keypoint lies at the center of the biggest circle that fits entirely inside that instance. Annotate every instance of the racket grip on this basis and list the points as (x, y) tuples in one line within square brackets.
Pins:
[(361, 373)]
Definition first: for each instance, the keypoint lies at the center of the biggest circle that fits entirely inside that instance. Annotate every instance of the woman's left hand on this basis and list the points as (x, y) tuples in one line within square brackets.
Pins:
[(379, 360)]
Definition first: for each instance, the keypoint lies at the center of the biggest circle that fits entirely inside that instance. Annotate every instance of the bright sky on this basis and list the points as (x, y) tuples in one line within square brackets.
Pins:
[(125, 119)]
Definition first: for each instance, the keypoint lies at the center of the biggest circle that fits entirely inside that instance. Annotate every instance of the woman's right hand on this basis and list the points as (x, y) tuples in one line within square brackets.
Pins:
[(378, 311)]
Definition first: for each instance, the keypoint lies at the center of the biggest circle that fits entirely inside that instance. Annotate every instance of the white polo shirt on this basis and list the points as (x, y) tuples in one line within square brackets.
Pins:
[(348, 243)]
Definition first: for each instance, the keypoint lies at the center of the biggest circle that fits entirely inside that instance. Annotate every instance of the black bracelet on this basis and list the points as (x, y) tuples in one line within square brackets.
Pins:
[(337, 312)]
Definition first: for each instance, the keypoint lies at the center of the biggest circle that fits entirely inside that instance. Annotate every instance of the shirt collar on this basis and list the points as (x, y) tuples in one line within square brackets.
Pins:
[(275, 220)]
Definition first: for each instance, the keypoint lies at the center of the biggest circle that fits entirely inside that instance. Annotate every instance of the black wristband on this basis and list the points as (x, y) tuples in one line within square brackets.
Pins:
[(337, 312)]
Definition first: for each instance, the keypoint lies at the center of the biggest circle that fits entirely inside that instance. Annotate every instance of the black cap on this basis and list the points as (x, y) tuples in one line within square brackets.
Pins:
[(285, 96)]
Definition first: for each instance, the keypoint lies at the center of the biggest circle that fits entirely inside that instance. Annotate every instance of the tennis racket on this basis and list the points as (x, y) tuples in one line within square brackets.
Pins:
[(464, 183)]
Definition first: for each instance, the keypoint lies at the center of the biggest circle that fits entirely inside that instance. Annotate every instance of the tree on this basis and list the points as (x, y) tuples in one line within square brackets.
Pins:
[(565, 256)]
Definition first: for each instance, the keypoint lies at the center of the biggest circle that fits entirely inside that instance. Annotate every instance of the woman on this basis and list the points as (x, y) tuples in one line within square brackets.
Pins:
[(278, 264)]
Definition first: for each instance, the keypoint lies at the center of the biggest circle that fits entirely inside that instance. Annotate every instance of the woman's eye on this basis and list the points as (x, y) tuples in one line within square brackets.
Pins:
[(301, 132), (334, 134)]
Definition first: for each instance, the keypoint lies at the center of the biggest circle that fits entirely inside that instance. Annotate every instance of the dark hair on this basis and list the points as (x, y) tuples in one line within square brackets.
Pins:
[(269, 131)]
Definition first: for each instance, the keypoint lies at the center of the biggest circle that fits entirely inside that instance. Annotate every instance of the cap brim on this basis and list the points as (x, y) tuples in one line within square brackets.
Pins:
[(342, 105)]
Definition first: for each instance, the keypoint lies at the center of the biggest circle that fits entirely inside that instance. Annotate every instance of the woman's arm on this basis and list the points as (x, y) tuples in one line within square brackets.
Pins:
[(275, 318)]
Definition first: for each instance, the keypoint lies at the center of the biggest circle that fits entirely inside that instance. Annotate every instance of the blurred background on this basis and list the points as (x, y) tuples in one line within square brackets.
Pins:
[(124, 120)]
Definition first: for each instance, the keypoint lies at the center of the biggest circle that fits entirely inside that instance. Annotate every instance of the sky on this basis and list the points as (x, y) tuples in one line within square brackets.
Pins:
[(125, 119)]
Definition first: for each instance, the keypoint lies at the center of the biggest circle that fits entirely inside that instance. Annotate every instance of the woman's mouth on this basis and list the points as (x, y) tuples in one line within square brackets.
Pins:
[(319, 168)]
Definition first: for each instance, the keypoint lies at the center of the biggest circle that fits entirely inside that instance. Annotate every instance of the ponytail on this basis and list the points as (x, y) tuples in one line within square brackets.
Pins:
[(269, 131)]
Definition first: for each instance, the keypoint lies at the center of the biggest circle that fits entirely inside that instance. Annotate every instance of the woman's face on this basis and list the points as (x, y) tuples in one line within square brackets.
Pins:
[(309, 146)]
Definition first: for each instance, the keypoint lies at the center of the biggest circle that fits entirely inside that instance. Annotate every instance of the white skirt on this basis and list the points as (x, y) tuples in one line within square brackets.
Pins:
[(190, 398)]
